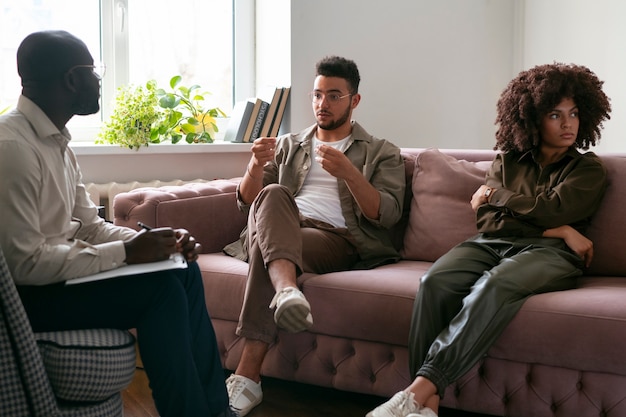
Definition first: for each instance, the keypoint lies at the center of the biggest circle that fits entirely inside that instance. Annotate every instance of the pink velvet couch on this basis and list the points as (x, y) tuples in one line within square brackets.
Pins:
[(564, 354)]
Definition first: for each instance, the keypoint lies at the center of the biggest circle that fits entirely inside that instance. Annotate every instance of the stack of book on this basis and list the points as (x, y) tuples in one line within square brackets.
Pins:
[(258, 116)]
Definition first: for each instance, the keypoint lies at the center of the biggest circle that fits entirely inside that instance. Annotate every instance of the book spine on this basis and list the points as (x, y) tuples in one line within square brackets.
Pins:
[(258, 123)]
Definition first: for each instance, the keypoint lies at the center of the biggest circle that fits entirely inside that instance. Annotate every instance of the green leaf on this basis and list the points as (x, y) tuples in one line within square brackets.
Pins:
[(193, 121), (184, 91), (206, 138), (169, 101), (188, 128), (176, 138), (191, 137), (175, 81)]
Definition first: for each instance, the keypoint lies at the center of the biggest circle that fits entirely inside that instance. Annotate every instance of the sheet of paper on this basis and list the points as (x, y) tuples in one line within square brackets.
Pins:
[(176, 261)]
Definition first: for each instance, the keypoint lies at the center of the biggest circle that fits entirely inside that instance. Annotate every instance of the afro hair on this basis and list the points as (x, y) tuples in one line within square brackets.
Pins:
[(535, 92)]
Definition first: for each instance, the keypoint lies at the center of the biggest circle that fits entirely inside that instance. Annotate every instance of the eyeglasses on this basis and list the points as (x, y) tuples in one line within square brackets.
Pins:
[(97, 70), (332, 98)]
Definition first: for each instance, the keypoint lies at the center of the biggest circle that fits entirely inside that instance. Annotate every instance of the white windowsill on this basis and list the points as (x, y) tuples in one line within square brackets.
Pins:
[(90, 148)]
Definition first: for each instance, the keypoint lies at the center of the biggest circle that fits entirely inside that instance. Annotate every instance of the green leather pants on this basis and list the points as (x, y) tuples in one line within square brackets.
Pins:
[(471, 294)]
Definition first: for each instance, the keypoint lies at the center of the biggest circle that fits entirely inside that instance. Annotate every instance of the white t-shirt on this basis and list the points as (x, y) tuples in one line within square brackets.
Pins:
[(319, 196)]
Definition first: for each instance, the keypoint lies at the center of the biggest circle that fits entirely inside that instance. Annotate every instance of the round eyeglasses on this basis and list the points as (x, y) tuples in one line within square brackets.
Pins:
[(317, 97)]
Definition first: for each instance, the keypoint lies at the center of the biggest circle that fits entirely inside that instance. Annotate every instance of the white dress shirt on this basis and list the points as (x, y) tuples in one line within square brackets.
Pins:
[(50, 230)]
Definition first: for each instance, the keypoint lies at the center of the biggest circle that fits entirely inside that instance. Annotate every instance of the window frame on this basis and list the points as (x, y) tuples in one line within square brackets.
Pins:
[(114, 52)]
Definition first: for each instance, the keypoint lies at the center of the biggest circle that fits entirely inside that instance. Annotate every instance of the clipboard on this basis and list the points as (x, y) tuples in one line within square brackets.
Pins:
[(176, 261)]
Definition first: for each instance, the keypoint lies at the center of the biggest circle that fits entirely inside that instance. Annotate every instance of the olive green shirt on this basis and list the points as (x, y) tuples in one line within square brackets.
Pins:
[(530, 199), (380, 163)]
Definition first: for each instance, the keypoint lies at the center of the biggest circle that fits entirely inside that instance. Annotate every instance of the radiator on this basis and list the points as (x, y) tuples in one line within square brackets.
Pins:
[(103, 194)]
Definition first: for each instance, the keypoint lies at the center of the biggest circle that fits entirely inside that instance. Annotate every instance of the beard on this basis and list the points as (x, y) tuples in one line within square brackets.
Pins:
[(334, 124)]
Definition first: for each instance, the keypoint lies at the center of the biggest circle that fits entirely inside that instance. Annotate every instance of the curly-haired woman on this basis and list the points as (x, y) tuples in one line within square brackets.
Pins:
[(531, 213)]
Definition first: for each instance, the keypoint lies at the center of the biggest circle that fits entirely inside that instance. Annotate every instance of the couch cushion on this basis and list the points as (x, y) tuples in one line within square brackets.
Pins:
[(371, 305), (575, 329), (608, 225), (441, 215), (88, 365), (336, 298), (224, 280)]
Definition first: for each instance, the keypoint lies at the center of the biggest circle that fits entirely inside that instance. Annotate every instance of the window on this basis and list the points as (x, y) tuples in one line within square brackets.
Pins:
[(138, 40), (18, 18)]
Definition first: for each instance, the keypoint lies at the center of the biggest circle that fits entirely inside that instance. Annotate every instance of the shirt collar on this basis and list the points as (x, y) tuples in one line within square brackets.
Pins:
[(571, 153), (41, 123)]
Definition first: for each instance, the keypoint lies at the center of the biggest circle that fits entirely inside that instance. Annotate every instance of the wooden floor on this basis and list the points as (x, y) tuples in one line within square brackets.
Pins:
[(280, 399)]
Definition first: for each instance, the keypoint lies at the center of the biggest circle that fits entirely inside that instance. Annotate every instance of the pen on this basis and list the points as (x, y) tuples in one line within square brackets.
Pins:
[(144, 226)]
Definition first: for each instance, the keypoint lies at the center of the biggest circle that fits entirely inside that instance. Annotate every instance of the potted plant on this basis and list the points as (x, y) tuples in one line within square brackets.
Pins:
[(148, 114)]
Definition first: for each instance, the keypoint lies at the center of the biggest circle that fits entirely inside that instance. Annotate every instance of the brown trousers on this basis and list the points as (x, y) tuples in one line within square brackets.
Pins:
[(276, 230)]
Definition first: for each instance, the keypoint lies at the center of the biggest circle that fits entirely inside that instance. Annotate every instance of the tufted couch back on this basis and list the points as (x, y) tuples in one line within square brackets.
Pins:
[(561, 355)]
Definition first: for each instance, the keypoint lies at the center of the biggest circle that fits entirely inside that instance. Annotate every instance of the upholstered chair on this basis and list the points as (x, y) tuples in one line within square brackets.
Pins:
[(68, 373)]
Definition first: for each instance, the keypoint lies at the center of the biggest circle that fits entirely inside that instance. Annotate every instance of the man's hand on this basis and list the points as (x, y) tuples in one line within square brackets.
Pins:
[(578, 243), (187, 245), (263, 151), (158, 244), (339, 166), (335, 162), (151, 245)]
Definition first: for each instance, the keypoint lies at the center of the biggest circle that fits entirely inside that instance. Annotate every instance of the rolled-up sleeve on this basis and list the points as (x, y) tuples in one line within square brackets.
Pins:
[(388, 177)]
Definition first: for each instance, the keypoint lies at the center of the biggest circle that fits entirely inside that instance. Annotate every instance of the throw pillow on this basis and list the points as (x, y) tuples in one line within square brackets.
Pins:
[(441, 215), (609, 223)]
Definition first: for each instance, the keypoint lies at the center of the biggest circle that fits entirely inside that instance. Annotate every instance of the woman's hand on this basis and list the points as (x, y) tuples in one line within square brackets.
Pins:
[(479, 198), (578, 243)]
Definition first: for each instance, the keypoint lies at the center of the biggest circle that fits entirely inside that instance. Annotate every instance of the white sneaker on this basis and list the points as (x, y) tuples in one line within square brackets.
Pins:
[(293, 311), (400, 405), (424, 412), (243, 394)]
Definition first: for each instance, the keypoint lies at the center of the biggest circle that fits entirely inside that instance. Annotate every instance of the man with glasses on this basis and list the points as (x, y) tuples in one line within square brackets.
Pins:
[(51, 232), (321, 200)]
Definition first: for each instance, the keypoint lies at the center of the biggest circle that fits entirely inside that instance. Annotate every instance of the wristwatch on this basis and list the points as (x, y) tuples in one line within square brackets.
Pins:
[(488, 192)]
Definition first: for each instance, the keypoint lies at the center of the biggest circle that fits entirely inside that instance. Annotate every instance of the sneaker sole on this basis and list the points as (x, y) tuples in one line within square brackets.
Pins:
[(292, 316), (244, 411)]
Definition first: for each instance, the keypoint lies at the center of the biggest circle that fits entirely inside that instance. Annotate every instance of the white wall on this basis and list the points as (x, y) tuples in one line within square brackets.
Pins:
[(431, 71), (590, 33)]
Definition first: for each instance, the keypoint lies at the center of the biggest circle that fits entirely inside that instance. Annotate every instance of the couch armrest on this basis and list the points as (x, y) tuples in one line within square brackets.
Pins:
[(208, 210)]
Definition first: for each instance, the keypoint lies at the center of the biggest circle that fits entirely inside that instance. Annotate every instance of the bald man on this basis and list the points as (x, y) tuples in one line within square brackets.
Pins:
[(51, 232)]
